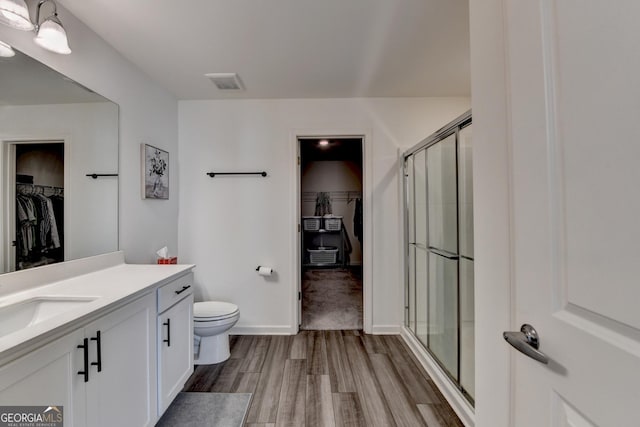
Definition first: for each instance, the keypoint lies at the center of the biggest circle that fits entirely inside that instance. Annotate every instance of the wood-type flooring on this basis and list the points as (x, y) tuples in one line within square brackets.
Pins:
[(327, 378)]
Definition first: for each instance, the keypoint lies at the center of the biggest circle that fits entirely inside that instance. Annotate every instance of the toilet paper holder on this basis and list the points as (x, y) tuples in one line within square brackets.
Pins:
[(264, 271)]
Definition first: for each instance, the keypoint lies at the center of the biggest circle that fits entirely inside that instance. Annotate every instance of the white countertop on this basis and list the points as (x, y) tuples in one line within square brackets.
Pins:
[(110, 286)]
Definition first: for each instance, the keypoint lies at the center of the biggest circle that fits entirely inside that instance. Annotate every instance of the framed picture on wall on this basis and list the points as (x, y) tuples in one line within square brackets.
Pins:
[(155, 172)]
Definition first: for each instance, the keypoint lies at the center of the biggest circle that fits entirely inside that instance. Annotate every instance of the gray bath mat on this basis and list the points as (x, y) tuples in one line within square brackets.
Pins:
[(207, 409)]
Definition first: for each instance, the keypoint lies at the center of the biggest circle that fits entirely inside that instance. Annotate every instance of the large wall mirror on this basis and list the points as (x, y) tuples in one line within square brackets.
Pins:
[(53, 134)]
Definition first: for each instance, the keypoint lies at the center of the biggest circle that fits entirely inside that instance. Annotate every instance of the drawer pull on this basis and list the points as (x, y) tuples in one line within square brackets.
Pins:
[(184, 288), (85, 347), (168, 325), (98, 341)]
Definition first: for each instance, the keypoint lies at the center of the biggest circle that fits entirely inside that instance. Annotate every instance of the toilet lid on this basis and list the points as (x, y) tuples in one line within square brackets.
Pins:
[(209, 309)]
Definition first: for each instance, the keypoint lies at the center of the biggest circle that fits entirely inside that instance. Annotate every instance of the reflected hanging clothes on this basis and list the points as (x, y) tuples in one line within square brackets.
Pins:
[(38, 237), (357, 220), (26, 225), (48, 225)]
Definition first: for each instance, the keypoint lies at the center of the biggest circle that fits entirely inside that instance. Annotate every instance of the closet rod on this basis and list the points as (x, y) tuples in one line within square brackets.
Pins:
[(310, 196), (212, 174), (39, 185), (96, 175)]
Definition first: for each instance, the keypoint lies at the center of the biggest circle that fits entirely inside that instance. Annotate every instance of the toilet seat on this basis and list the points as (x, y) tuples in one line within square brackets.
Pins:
[(207, 311)]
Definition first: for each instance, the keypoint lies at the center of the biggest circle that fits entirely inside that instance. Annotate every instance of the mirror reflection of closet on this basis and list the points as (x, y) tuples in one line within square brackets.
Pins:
[(39, 204), (42, 111)]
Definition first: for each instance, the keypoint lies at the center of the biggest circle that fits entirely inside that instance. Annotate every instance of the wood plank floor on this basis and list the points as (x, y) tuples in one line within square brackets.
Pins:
[(327, 378)]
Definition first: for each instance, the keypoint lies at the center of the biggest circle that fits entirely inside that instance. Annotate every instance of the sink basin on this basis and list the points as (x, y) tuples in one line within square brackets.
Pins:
[(26, 313)]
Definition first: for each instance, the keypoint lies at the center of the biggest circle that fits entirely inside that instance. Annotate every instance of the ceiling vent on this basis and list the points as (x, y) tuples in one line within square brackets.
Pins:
[(226, 81)]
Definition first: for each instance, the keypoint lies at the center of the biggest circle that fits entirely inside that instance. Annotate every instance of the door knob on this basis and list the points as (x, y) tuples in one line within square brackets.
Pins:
[(526, 341)]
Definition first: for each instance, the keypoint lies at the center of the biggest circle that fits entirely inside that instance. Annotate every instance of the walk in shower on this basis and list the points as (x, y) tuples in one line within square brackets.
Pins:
[(439, 250)]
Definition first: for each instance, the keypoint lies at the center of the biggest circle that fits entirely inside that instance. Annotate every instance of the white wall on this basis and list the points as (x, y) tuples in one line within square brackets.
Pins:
[(229, 225), (334, 175), (147, 114), (90, 132), (492, 220)]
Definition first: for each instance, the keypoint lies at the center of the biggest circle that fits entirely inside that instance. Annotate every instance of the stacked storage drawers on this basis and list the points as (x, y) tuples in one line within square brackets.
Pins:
[(322, 255)]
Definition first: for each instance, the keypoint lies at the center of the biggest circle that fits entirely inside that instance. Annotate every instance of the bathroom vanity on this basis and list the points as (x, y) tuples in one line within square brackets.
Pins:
[(109, 342)]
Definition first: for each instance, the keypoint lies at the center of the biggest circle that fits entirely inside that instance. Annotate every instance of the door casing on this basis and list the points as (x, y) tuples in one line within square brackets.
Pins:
[(367, 211)]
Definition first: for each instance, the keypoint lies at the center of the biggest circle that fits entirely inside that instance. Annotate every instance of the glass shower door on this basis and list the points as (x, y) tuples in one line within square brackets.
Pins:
[(420, 245), (439, 252), (416, 192), (443, 252)]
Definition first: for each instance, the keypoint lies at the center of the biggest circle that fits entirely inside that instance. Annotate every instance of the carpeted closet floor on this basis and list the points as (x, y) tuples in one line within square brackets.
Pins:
[(332, 299)]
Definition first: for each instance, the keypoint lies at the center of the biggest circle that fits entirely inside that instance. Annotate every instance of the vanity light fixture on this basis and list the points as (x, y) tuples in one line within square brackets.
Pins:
[(50, 34), (15, 14), (6, 51)]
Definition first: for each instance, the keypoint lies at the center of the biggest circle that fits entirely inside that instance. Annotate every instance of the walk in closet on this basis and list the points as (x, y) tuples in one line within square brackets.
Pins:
[(331, 187), (39, 204), (439, 292)]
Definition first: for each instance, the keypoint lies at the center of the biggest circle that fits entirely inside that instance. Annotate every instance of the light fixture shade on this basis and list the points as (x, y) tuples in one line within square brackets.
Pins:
[(52, 36), (6, 51), (15, 14)]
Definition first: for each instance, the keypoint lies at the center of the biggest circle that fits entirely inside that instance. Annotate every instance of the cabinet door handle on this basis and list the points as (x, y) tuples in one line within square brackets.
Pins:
[(98, 350), (85, 347), (184, 288), (168, 325)]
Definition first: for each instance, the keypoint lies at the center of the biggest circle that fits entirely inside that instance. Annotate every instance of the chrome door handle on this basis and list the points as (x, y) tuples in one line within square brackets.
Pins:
[(526, 341)]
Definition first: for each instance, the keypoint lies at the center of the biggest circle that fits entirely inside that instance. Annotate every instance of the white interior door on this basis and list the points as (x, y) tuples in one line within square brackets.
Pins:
[(574, 90)]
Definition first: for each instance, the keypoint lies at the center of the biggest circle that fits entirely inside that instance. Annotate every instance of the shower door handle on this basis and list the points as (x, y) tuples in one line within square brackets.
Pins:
[(526, 341)]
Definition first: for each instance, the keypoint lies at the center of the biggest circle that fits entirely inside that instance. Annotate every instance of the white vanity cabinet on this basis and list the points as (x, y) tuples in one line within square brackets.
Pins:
[(175, 339), (119, 360), (102, 374), (48, 377), (122, 368)]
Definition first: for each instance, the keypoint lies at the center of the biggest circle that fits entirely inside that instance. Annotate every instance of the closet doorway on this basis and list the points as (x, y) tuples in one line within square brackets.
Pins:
[(331, 232), (34, 189)]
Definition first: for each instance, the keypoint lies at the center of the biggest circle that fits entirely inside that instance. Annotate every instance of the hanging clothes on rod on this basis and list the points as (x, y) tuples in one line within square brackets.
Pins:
[(38, 237), (323, 204)]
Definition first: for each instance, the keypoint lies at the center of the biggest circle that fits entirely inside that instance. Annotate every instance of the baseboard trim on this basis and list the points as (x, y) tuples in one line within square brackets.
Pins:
[(459, 404), (262, 330), (288, 330), (385, 330)]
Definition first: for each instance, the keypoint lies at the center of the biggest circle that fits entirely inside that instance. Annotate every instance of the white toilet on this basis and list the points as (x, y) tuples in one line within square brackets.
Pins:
[(211, 321)]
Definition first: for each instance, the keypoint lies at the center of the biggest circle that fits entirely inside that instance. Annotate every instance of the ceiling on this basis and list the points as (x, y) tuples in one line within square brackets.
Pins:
[(291, 48)]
